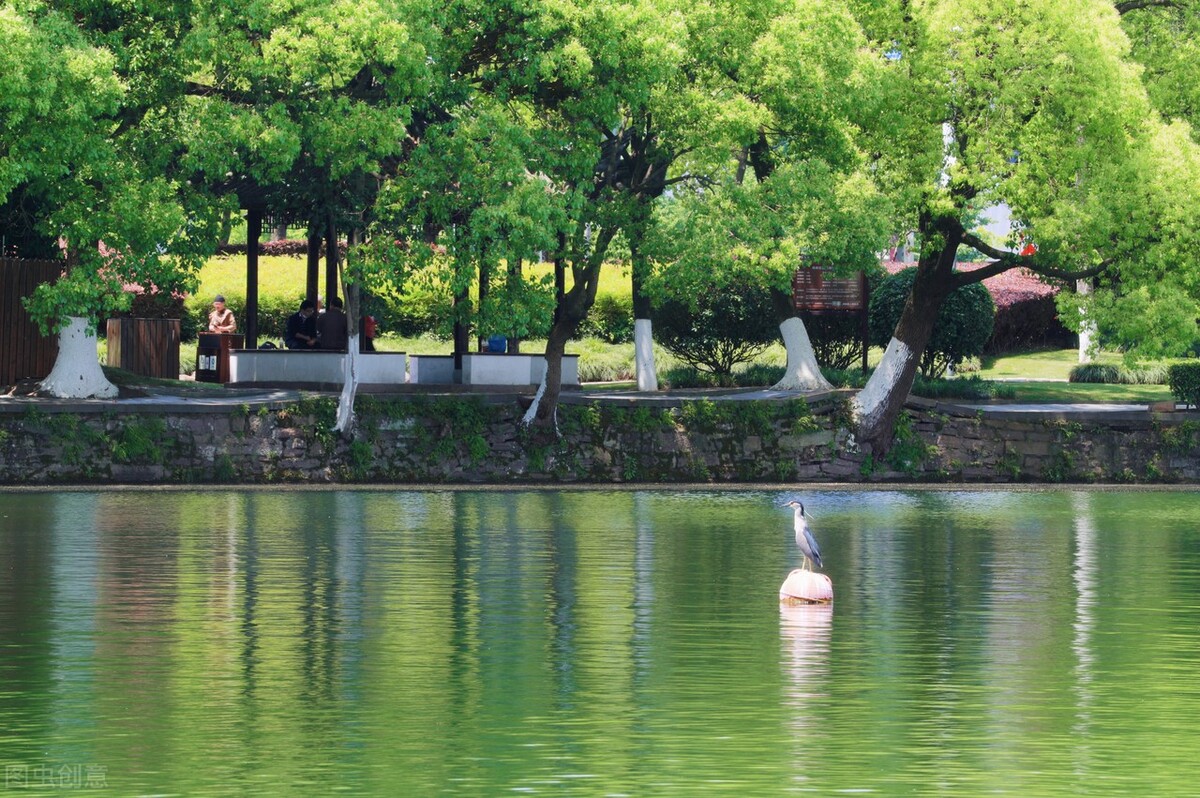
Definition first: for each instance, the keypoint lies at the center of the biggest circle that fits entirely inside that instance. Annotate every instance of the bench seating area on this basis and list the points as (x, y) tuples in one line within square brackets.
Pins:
[(490, 368), (296, 367), (313, 367)]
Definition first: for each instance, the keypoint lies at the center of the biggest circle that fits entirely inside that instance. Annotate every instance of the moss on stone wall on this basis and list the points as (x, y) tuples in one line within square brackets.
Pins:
[(469, 440)]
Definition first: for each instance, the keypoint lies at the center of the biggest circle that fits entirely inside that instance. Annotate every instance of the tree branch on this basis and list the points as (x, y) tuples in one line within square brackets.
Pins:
[(1005, 260), (1134, 5), (194, 89)]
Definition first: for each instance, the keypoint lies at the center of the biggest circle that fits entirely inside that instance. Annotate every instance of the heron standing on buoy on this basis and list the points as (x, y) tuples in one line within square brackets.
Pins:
[(804, 539)]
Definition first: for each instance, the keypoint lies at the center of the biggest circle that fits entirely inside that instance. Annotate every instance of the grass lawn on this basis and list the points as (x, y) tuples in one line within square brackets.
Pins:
[(1050, 364), (1039, 392), (1042, 377), (285, 275)]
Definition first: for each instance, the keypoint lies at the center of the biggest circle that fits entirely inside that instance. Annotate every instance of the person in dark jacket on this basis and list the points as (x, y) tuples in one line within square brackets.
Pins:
[(302, 327), (332, 328)]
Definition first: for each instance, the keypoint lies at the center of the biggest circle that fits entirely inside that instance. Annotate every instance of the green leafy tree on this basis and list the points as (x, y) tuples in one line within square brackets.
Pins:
[(797, 188), (77, 176), (963, 327), (717, 330), (1037, 104)]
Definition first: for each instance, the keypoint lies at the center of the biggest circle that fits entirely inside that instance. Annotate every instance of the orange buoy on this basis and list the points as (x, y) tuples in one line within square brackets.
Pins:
[(806, 587)]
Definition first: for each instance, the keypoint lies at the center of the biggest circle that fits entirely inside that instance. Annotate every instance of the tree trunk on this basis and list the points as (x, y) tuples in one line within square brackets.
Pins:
[(643, 338), (802, 373), (226, 228), (1087, 330), (351, 292), (878, 405), (544, 407), (571, 310), (515, 269), (77, 373)]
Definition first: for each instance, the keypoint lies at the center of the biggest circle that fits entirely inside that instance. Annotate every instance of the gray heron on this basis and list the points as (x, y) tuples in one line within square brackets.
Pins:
[(804, 538)]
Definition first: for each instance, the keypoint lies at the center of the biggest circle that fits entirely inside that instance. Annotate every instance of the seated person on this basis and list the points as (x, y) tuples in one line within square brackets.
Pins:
[(368, 328), (331, 326), (302, 327), (220, 319)]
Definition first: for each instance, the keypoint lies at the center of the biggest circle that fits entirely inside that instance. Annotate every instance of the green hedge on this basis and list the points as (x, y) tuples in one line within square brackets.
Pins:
[(610, 319), (1184, 379), (964, 322), (1109, 374), (718, 329)]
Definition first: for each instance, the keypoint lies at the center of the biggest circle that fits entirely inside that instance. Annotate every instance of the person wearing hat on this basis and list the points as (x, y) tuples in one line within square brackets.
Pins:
[(221, 319)]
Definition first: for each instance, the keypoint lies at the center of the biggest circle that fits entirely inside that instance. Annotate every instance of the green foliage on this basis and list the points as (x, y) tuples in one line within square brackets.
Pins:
[(963, 326), (836, 339), (610, 319), (360, 457), (140, 441), (747, 417), (1184, 380), (1061, 467), (716, 330), (223, 468), (702, 415), (1009, 465), (1111, 374), (962, 388), (909, 452), (1179, 438), (644, 418)]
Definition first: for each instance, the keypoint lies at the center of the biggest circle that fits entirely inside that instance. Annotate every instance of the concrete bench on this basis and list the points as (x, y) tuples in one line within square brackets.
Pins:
[(490, 368), (431, 369), (313, 367)]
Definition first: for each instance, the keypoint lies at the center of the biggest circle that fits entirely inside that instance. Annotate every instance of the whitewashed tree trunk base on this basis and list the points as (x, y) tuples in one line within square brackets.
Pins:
[(643, 356), (802, 372), (77, 373), (345, 410), (1087, 330), (870, 404), (531, 414)]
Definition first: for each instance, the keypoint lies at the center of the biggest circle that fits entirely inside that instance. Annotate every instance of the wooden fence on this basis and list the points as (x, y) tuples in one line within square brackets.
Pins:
[(24, 352), (149, 347)]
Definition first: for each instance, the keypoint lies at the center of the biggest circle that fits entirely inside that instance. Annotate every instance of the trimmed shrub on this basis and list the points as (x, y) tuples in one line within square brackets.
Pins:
[(1184, 379), (964, 323), (963, 388), (610, 319), (692, 377), (1027, 324), (725, 327), (600, 366), (1154, 374), (836, 339), (417, 311)]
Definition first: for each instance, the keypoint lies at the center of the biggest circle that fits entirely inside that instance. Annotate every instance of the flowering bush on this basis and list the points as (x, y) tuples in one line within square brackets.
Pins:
[(284, 246)]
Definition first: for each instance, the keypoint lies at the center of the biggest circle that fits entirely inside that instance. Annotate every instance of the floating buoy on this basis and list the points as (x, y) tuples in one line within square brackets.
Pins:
[(806, 587)]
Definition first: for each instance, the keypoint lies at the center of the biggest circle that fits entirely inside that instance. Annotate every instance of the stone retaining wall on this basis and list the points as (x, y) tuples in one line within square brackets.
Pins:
[(466, 439)]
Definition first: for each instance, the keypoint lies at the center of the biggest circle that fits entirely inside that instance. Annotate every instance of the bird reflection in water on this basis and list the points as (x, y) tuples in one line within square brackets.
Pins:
[(804, 632)]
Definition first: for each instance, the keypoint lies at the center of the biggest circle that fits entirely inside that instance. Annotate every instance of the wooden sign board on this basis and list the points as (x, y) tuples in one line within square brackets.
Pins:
[(815, 291)]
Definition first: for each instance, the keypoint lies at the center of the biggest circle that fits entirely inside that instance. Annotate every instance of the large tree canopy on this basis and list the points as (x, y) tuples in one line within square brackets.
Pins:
[(1037, 104), (74, 174)]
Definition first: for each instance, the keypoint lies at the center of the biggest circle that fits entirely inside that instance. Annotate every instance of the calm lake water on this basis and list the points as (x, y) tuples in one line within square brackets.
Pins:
[(598, 643)]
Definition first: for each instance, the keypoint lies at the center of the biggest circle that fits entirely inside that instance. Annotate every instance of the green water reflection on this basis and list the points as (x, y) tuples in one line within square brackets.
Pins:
[(598, 643)]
